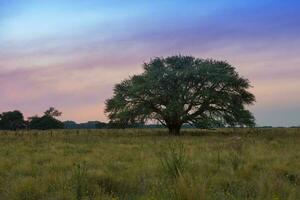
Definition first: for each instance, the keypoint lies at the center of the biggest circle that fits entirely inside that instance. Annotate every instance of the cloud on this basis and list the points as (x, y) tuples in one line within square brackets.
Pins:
[(74, 61)]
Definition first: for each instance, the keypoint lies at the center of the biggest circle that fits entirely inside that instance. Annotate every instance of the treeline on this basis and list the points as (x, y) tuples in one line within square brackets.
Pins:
[(100, 125), (14, 120)]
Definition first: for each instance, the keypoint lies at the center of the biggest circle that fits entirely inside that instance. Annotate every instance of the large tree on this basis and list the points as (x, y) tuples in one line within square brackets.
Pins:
[(182, 89)]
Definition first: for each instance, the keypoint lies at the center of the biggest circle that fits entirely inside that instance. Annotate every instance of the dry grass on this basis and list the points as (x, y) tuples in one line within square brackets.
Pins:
[(147, 164)]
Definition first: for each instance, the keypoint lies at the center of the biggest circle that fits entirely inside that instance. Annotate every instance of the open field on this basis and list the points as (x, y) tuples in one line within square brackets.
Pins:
[(147, 164)]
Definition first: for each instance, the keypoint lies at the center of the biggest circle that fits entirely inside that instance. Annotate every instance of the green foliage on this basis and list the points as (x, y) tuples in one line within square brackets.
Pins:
[(12, 120), (52, 112), (15, 121), (182, 89), (45, 122)]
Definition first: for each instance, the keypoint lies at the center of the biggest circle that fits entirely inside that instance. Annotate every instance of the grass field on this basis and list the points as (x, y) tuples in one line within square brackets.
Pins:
[(148, 164)]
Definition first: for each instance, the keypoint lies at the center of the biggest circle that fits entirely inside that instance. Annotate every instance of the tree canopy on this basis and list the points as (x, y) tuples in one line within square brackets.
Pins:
[(182, 89), (47, 121), (12, 120), (52, 112)]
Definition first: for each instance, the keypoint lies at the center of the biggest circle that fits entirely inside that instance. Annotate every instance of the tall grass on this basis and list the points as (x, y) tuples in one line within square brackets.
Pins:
[(79, 180), (174, 159), (148, 164)]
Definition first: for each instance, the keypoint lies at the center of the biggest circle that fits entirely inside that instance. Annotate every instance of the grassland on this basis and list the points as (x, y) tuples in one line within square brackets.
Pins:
[(148, 164)]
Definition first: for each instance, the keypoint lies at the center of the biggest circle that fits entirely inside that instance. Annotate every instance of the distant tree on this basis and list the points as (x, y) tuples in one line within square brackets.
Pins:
[(47, 121), (122, 125), (86, 125), (70, 125), (12, 120), (52, 112), (100, 125), (182, 89)]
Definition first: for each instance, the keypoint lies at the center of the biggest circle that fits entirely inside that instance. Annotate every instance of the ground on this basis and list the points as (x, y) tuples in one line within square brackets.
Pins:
[(148, 164)]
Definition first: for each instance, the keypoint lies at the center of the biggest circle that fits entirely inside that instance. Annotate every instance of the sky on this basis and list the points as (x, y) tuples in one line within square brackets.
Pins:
[(70, 53)]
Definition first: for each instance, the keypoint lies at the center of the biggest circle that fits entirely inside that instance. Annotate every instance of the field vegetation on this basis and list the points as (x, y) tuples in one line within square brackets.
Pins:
[(149, 164)]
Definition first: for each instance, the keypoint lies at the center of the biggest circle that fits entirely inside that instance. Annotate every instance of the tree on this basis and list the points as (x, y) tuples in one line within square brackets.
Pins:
[(47, 121), (52, 112), (12, 120), (86, 125), (182, 89)]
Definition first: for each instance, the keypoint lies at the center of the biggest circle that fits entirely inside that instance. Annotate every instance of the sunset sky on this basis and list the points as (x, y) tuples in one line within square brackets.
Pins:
[(69, 53)]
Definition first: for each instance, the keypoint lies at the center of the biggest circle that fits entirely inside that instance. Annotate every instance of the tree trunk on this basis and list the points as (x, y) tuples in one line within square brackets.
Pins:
[(174, 130)]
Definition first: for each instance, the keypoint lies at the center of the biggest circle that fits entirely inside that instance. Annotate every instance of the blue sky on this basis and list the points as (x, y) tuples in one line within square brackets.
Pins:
[(69, 54)]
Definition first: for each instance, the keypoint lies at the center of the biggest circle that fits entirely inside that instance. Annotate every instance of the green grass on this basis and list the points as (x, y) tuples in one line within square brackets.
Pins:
[(148, 164)]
